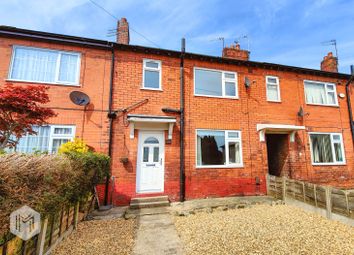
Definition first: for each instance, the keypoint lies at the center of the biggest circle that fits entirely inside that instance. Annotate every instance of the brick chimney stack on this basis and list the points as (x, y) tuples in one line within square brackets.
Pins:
[(235, 52), (123, 31), (329, 63)]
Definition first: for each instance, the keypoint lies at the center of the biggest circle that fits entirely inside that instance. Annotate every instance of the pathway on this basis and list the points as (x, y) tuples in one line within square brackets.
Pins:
[(157, 235)]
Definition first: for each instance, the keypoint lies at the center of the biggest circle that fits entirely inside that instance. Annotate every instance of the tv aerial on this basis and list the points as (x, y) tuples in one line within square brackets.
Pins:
[(79, 98), (332, 42)]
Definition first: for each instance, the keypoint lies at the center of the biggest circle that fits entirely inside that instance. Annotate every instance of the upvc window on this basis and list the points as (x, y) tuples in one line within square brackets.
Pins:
[(320, 93), (214, 83), (273, 89), (219, 148), (45, 66), (327, 148), (151, 74), (48, 139)]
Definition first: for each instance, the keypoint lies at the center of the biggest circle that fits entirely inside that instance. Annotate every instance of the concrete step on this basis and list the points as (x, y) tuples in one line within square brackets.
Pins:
[(149, 199), (133, 213), (139, 205)]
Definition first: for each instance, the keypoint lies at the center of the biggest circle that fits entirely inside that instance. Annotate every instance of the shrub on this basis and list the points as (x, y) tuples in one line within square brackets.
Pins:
[(77, 145), (47, 182)]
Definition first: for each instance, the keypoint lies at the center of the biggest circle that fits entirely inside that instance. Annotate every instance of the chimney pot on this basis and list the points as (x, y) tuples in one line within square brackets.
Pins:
[(123, 31), (235, 52), (329, 63)]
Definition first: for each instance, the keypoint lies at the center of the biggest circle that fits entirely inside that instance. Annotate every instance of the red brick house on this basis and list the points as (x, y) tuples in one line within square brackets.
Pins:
[(188, 125)]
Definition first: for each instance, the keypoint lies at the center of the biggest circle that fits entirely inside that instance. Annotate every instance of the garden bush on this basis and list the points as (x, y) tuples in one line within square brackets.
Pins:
[(77, 145), (47, 182)]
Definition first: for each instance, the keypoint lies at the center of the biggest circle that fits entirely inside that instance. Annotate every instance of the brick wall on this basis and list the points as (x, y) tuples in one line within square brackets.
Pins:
[(200, 113), (91, 124)]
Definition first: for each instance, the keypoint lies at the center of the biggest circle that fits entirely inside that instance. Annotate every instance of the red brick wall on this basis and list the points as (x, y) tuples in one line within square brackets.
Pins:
[(200, 112), (127, 92), (91, 125), (219, 113), (251, 109)]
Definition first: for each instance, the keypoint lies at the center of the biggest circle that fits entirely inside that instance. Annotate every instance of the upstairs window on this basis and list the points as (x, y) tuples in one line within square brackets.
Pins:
[(48, 139), (46, 66), (215, 83), (218, 148), (327, 148), (273, 89), (320, 93), (152, 74)]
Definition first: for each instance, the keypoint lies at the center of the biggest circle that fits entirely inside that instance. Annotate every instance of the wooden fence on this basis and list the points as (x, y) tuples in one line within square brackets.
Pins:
[(53, 230), (331, 199)]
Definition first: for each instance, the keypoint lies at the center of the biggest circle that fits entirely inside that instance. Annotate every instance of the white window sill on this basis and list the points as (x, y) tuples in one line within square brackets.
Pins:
[(42, 82), (220, 166), (330, 164), (328, 105), (223, 97), (151, 89)]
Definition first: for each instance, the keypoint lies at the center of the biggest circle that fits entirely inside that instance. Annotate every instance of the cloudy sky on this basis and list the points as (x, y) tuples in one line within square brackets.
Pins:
[(288, 32)]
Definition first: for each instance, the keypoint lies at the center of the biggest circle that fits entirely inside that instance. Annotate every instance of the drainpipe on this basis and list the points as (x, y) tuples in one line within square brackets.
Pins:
[(111, 116), (347, 90), (182, 172)]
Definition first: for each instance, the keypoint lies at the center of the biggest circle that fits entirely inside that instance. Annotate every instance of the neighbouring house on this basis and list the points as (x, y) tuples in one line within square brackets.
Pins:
[(239, 119)]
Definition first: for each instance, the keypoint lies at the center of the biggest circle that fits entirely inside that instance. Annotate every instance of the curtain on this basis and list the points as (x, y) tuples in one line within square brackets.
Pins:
[(315, 93), (57, 142), (32, 143), (199, 150), (68, 68), (34, 65), (63, 131), (322, 151), (272, 92)]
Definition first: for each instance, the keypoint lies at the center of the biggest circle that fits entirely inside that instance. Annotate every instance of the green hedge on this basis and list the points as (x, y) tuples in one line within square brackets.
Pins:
[(47, 182)]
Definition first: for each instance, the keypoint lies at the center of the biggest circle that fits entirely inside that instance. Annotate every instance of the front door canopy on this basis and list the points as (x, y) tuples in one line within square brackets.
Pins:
[(278, 129), (151, 122)]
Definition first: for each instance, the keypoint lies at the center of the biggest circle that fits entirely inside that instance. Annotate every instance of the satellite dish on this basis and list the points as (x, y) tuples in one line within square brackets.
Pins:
[(79, 98), (247, 82)]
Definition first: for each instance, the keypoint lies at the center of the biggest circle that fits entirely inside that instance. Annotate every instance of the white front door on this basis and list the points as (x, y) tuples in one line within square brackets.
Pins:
[(150, 164)]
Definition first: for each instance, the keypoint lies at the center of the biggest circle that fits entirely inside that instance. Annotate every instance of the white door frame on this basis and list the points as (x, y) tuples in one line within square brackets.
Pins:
[(139, 155)]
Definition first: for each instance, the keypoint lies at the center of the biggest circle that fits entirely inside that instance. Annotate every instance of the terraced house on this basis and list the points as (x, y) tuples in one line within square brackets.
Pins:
[(186, 125)]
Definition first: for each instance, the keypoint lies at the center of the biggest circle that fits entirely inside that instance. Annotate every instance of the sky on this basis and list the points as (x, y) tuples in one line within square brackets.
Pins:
[(290, 32)]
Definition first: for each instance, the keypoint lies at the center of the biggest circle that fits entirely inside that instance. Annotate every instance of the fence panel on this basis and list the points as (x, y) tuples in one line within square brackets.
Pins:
[(332, 199), (57, 226)]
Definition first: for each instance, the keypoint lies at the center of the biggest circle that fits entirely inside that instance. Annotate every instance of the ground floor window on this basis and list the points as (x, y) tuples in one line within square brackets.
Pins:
[(327, 148), (48, 139), (217, 148)]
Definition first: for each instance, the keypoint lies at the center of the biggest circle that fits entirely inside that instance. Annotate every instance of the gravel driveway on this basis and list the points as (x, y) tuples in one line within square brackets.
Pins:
[(100, 237), (264, 229)]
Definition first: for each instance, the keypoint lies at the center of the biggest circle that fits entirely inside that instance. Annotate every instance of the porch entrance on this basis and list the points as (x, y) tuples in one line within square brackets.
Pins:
[(277, 151)]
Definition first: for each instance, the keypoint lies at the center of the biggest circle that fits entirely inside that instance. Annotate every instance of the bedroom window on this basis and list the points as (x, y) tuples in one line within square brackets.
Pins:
[(320, 93), (214, 83), (45, 66), (152, 74)]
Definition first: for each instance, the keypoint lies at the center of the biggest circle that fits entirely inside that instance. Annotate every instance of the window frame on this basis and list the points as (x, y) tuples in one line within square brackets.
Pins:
[(278, 88), (334, 163), (227, 140), (336, 104), (57, 68), (159, 69), (53, 136), (223, 81)]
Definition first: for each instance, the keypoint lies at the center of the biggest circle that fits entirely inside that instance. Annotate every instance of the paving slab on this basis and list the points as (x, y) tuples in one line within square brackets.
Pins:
[(157, 235), (113, 213), (234, 202)]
